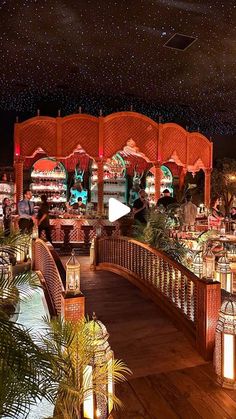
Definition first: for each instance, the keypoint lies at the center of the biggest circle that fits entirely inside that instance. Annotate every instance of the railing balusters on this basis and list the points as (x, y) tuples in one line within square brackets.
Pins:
[(182, 292), (189, 299), (165, 268), (171, 282)]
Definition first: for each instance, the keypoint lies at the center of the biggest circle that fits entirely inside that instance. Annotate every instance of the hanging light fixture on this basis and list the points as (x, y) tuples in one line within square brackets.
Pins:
[(208, 264), (73, 274), (99, 404), (225, 345), (224, 274), (198, 265)]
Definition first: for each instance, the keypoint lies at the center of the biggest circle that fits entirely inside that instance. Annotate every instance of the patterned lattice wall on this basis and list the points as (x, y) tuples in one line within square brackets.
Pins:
[(173, 141), (80, 130), (199, 148), (38, 133), (157, 142), (118, 128)]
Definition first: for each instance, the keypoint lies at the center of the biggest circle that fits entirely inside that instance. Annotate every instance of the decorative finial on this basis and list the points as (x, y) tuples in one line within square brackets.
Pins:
[(159, 119), (38, 112), (100, 112), (59, 112), (186, 128), (80, 109), (131, 108), (17, 119)]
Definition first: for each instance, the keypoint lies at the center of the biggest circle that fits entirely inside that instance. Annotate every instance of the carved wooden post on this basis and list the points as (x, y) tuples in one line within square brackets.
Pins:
[(100, 187), (19, 175), (158, 177), (208, 306), (72, 307), (207, 189)]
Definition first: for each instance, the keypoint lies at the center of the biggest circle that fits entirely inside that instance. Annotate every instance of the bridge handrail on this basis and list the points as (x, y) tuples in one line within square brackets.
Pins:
[(45, 263), (194, 301)]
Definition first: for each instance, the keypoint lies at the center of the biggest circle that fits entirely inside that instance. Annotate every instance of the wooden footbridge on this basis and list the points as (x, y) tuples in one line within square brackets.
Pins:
[(169, 353)]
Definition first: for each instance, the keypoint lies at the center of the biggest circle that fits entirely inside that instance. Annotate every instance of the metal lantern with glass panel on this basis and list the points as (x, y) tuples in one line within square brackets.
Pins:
[(208, 264), (225, 345), (99, 404), (73, 274), (198, 265), (224, 273)]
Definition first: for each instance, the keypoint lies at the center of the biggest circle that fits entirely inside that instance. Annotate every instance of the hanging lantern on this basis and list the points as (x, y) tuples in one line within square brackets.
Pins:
[(198, 265), (73, 274), (225, 345), (99, 404), (208, 264), (224, 274)]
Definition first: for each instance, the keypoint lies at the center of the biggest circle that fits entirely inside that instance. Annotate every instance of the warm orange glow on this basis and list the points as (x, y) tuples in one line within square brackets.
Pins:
[(228, 362)]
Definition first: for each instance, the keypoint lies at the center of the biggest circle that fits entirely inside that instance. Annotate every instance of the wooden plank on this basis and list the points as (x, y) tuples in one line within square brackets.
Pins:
[(151, 398), (176, 400), (132, 407), (202, 393)]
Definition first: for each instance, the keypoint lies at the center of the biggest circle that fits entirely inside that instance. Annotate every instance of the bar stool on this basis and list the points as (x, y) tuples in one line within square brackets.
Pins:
[(66, 230)]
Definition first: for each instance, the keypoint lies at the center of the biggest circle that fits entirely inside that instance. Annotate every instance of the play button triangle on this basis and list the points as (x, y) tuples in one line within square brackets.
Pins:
[(116, 209)]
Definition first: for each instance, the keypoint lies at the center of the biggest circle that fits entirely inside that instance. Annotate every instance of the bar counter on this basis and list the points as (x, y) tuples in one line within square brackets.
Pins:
[(81, 229)]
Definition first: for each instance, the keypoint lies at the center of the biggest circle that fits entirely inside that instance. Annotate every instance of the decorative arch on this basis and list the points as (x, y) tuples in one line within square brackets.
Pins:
[(121, 126), (101, 137)]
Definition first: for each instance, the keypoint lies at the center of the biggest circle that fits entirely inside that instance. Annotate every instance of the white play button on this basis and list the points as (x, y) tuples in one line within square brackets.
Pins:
[(116, 209)]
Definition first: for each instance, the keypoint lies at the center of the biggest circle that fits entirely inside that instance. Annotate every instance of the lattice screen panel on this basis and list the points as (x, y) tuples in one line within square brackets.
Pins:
[(38, 134), (199, 147), (117, 130), (174, 139), (80, 131)]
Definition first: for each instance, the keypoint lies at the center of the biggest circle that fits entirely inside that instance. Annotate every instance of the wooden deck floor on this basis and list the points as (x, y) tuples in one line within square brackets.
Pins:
[(170, 379)]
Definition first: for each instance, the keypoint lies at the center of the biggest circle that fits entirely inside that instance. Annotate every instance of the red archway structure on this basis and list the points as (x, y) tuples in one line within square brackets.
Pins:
[(101, 137)]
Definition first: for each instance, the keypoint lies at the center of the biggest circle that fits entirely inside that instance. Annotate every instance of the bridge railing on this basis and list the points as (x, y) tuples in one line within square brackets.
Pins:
[(191, 302), (45, 263)]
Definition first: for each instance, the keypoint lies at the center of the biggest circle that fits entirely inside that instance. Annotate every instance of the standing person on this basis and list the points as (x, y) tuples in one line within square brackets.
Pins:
[(188, 211), (216, 217), (166, 199), (26, 213), (43, 218), (6, 208), (140, 207)]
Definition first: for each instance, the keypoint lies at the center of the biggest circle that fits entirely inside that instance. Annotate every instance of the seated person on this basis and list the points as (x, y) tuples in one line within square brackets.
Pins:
[(79, 205), (166, 199), (233, 213), (216, 217)]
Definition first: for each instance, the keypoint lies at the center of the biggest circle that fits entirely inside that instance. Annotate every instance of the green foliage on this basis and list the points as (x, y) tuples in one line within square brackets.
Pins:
[(156, 233), (72, 347), (223, 181)]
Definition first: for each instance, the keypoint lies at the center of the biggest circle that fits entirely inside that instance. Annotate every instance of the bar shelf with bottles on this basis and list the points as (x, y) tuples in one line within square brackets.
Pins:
[(166, 183), (49, 178), (7, 190), (114, 181)]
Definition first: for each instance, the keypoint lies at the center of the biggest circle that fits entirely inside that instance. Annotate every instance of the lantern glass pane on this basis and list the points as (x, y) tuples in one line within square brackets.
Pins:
[(88, 407), (110, 386), (228, 363)]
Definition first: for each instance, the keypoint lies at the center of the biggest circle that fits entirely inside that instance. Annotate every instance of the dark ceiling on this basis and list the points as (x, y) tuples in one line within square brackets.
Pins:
[(110, 54)]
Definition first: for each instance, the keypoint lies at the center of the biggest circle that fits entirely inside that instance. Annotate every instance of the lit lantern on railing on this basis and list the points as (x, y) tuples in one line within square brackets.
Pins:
[(225, 346), (209, 264), (92, 252), (98, 404), (73, 274), (224, 274), (198, 265)]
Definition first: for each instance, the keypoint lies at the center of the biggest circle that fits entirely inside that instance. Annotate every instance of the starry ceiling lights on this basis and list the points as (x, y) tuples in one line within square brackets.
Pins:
[(111, 54)]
